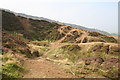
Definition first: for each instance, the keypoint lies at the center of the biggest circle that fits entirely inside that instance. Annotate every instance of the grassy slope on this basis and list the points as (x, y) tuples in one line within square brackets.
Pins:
[(19, 31)]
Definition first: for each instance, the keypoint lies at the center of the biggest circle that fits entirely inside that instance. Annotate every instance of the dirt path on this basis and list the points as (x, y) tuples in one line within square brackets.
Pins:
[(41, 68)]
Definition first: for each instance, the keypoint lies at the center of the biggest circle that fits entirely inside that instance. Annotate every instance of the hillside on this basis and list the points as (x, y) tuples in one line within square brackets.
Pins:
[(49, 20), (78, 52)]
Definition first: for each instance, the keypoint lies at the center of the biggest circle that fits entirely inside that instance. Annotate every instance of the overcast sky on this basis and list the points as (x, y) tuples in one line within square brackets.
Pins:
[(99, 14)]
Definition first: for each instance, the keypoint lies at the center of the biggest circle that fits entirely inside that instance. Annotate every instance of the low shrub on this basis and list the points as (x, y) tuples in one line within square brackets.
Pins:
[(12, 70)]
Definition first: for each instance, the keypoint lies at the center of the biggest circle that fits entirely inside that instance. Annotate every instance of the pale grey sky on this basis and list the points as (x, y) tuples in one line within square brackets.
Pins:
[(99, 14)]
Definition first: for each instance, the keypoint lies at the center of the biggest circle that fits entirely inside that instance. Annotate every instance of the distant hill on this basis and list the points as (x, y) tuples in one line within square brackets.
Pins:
[(38, 28), (116, 34), (85, 28), (73, 25)]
